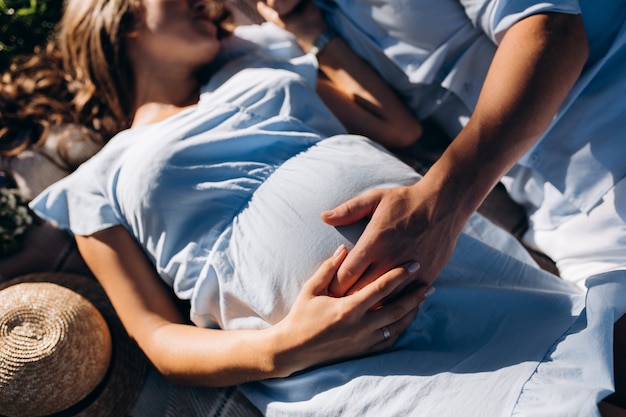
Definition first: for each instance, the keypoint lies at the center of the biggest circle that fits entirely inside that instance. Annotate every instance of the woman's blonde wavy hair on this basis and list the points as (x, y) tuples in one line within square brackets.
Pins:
[(90, 38), (82, 77)]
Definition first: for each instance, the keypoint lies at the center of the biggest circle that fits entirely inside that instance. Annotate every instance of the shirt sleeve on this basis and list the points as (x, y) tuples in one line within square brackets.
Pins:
[(494, 17), (82, 202)]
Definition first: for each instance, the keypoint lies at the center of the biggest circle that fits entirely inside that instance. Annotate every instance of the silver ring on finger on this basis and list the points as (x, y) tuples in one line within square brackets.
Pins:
[(386, 333)]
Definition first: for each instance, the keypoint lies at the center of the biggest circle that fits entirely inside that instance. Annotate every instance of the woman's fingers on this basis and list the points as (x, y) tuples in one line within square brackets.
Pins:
[(321, 328), (387, 336), (376, 292), (390, 321), (270, 14), (282, 7), (320, 281)]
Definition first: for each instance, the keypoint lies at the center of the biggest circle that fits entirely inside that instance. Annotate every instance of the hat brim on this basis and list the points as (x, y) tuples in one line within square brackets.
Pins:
[(117, 392)]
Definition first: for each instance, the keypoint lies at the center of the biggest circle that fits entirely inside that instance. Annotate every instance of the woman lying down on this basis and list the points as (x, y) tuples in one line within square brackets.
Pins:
[(221, 201)]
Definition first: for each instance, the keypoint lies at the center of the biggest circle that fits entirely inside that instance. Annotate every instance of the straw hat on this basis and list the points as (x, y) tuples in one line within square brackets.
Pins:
[(63, 350)]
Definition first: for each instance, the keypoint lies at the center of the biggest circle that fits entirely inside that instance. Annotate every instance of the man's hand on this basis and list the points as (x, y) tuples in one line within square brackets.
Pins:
[(406, 225)]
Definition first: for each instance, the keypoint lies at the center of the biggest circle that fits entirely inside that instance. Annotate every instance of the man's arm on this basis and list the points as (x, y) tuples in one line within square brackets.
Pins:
[(535, 66)]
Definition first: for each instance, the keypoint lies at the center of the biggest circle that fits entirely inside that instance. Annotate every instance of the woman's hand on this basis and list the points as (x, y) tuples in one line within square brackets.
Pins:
[(302, 18), (282, 7), (321, 328)]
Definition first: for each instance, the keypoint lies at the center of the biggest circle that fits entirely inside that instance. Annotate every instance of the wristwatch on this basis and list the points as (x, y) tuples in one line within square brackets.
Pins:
[(322, 40)]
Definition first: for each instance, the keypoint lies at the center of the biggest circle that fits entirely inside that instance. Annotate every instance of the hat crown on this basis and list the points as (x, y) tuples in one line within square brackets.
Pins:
[(55, 348), (27, 330)]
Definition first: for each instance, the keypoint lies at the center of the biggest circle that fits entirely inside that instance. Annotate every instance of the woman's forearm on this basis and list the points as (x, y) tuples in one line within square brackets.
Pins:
[(360, 98), (190, 355), (182, 352), (319, 328)]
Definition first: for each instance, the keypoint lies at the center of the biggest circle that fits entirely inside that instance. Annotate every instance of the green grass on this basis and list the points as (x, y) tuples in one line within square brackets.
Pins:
[(25, 24)]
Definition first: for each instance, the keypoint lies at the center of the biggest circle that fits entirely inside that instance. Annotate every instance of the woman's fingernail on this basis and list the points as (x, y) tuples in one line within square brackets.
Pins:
[(429, 292), (328, 213), (339, 250), (413, 267)]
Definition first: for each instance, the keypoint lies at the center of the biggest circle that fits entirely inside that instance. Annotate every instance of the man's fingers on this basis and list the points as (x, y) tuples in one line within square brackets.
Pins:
[(351, 211), (361, 263)]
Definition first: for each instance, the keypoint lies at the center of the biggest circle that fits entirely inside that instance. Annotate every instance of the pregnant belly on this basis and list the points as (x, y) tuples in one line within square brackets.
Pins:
[(278, 241)]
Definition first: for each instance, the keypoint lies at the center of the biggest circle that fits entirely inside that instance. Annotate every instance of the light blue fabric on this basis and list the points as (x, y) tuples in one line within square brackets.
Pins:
[(605, 303), (421, 44), (225, 199), (438, 52), (497, 338)]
